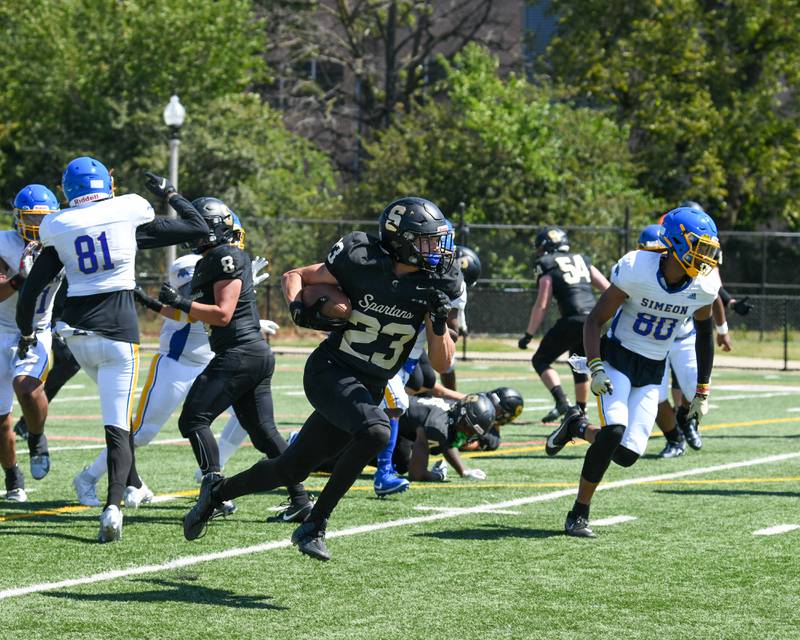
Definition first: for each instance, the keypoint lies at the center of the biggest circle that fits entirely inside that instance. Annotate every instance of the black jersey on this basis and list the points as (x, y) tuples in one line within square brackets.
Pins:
[(431, 415), (387, 310), (572, 281), (228, 262)]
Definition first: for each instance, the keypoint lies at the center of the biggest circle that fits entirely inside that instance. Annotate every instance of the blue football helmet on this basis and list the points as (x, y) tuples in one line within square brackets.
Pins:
[(86, 180), (31, 205), (691, 236), (650, 238)]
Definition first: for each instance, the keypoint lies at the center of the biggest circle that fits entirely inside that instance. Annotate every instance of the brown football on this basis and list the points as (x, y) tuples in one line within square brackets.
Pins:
[(338, 304)]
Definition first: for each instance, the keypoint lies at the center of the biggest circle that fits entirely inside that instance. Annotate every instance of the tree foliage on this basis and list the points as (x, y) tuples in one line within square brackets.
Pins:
[(510, 152), (708, 90)]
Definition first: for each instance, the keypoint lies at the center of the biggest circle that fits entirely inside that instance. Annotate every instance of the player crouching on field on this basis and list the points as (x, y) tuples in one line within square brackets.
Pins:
[(650, 295)]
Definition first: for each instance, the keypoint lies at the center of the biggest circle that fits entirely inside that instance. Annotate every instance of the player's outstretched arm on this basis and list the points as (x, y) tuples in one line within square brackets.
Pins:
[(418, 465), (219, 314), (45, 268), (163, 232), (721, 321)]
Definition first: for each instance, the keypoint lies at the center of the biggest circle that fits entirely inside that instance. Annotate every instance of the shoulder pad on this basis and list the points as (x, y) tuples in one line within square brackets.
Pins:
[(225, 262)]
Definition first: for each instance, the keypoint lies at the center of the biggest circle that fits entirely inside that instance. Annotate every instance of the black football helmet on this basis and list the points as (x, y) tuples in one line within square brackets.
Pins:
[(221, 221), (551, 239), (475, 410), (414, 231), (508, 404), (470, 264)]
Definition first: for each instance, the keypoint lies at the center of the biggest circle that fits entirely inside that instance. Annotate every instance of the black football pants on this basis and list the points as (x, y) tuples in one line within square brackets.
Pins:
[(347, 419)]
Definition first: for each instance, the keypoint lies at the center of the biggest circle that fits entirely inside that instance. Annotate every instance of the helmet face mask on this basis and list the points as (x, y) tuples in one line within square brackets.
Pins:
[(415, 232), (31, 205), (691, 238), (550, 240)]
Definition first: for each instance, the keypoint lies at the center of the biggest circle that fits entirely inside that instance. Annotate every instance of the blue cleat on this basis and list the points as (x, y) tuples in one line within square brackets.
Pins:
[(387, 482)]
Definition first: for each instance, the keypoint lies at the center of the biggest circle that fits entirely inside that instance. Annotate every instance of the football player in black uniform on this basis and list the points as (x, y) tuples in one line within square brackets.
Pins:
[(240, 373), (444, 425), (395, 282), (567, 277)]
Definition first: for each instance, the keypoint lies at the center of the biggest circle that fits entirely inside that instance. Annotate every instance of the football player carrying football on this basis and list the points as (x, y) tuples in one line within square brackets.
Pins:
[(650, 295), (567, 277), (95, 241), (395, 282)]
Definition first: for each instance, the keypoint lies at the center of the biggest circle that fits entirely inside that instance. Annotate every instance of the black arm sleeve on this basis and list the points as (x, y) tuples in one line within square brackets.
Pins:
[(163, 232), (46, 267), (725, 297), (704, 350)]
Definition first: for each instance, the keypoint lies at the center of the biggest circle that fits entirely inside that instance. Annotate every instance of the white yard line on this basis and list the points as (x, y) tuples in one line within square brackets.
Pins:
[(377, 526), (781, 528), (606, 522), (489, 509)]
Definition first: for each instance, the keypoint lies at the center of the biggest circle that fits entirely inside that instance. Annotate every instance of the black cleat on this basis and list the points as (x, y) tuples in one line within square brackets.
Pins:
[(578, 526), (555, 413), (292, 513), (566, 431), (196, 519), (673, 449), (310, 540), (691, 431)]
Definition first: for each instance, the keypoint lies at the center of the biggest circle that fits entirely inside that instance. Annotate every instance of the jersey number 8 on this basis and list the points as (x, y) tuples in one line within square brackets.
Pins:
[(87, 254)]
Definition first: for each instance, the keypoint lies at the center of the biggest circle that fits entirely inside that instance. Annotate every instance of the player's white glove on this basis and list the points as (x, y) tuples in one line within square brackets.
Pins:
[(439, 469), (257, 265), (699, 405), (29, 255), (474, 474), (601, 383), (269, 327)]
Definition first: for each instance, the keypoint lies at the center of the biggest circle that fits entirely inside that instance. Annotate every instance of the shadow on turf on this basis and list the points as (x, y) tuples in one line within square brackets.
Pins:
[(177, 592), (490, 532), (730, 492)]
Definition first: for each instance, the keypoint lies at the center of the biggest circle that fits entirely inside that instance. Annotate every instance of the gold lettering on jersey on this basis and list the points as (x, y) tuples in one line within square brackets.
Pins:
[(367, 304)]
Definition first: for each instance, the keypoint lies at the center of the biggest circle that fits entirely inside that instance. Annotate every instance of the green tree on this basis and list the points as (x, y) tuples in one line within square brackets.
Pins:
[(708, 91), (513, 154), (93, 76)]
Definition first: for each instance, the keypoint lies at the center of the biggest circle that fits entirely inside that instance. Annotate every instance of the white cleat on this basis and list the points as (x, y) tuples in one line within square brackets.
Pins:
[(86, 487), (110, 524), (134, 497), (17, 495)]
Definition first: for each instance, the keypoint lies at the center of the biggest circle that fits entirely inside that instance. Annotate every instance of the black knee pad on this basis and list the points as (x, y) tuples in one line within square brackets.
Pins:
[(599, 455), (624, 457), (375, 435), (187, 426), (540, 363), (579, 378)]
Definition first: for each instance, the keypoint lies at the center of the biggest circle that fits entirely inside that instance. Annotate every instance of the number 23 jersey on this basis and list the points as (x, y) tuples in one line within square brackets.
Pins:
[(648, 322), (387, 310)]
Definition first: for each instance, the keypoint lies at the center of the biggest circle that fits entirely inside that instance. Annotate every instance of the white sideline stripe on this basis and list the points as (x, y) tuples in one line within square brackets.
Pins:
[(793, 409), (758, 387), (606, 522), (489, 509), (378, 526), (781, 528), (746, 396), (83, 447)]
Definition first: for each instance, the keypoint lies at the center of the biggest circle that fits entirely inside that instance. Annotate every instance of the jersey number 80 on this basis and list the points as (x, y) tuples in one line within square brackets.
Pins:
[(661, 328)]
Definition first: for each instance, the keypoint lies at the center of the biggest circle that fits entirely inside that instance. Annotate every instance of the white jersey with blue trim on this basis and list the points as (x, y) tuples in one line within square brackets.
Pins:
[(96, 243), (648, 321), (181, 340), (11, 247)]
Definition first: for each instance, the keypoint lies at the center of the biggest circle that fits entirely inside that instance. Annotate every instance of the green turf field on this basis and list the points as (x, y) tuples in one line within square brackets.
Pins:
[(454, 560)]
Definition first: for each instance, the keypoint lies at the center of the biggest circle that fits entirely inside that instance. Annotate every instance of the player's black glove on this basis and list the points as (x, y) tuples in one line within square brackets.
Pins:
[(169, 295), (524, 341), (158, 185), (490, 440), (25, 343), (742, 307), (312, 318), (145, 300), (438, 308)]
